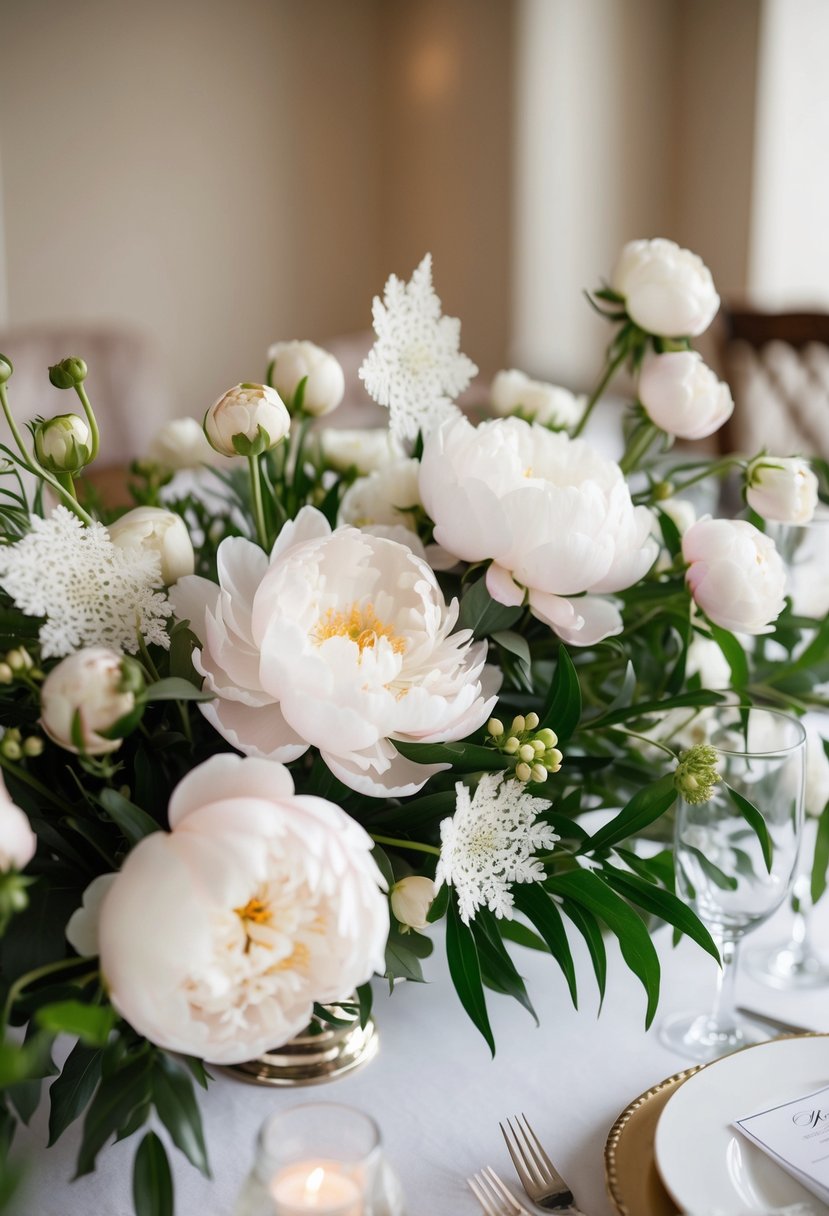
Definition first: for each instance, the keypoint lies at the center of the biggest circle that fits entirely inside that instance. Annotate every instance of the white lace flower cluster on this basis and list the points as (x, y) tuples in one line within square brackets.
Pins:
[(490, 843), (415, 367), (91, 592)]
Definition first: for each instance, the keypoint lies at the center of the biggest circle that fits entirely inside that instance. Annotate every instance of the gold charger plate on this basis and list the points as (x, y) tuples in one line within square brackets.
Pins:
[(633, 1182)]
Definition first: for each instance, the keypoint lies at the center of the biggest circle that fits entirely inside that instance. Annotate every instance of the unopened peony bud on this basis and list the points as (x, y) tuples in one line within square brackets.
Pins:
[(69, 373), (294, 362), (683, 396), (696, 773), (735, 574), (512, 392), (63, 444), (181, 444), (6, 369), (248, 420), (667, 290), (85, 697), (411, 899), (158, 531), (782, 489), (17, 840)]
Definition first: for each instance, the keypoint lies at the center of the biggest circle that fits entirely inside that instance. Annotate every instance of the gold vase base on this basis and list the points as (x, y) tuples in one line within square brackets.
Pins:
[(312, 1059)]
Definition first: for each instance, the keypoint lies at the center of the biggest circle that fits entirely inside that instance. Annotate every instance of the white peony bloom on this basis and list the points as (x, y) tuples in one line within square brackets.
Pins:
[(386, 503), (293, 362), (555, 517), (217, 937), (415, 367), (252, 414), (365, 450), (159, 531), (782, 489), (683, 396), (342, 641), (411, 899), (667, 290), (546, 404), (82, 928), (735, 574), (89, 684), (181, 444), (17, 840)]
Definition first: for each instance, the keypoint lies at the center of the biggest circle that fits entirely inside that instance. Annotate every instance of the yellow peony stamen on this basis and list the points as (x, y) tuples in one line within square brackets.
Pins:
[(359, 624), (255, 910)]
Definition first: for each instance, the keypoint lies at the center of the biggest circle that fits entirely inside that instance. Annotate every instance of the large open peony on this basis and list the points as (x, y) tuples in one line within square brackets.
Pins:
[(342, 640), (217, 937), (554, 516)]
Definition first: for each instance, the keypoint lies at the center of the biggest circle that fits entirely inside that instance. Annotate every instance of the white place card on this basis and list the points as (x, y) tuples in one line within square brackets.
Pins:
[(796, 1135)]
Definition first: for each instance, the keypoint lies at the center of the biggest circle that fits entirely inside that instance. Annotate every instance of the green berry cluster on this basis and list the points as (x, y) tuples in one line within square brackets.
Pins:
[(534, 751)]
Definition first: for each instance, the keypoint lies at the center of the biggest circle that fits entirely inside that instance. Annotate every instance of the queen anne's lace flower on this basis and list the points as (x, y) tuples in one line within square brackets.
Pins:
[(91, 592), (415, 367), (489, 844)]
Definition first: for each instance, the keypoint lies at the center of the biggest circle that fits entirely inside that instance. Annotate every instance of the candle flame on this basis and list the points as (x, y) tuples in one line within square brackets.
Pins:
[(314, 1181)]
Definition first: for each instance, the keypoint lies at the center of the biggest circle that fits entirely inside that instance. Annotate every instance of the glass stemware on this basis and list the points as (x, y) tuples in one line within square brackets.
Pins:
[(721, 872)]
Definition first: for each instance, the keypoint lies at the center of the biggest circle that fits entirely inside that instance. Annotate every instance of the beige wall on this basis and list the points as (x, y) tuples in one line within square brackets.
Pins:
[(180, 166)]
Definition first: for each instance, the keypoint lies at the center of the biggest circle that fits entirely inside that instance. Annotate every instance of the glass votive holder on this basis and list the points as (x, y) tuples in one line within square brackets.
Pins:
[(319, 1159)]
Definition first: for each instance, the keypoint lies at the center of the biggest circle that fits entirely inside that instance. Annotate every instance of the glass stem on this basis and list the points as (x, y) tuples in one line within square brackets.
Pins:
[(723, 1015)]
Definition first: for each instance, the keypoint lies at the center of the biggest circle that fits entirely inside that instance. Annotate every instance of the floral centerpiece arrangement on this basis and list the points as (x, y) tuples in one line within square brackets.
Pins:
[(267, 727)]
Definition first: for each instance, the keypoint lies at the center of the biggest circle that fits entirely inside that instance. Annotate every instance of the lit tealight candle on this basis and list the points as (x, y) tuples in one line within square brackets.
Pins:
[(316, 1188)]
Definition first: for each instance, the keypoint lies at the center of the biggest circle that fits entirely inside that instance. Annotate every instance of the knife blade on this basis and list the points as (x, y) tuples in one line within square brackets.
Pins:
[(775, 1023)]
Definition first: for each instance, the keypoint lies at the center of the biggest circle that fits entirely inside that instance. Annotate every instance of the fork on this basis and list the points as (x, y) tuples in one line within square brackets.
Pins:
[(539, 1177), (494, 1196)]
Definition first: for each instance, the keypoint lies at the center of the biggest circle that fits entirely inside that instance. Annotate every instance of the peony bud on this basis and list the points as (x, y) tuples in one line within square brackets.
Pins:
[(667, 290), (411, 899), (159, 531), (63, 444), (513, 392), (69, 373), (248, 420), (85, 697), (735, 574), (682, 395), (17, 840), (294, 362), (696, 773), (782, 489), (6, 369), (181, 444)]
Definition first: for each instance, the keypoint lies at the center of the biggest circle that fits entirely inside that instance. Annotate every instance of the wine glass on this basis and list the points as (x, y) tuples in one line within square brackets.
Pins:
[(721, 872), (795, 963)]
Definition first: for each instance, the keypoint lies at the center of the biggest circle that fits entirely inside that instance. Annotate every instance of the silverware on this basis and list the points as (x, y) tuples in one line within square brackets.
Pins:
[(539, 1177), (494, 1196), (775, 1023)]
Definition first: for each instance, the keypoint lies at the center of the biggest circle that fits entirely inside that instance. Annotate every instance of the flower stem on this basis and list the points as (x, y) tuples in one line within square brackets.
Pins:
[(711, 470), (31, 977), (610, 370), (68, 484), (31, 464), (93, 424), (638, 448), (405, 844), (258, 508), (22, 775)]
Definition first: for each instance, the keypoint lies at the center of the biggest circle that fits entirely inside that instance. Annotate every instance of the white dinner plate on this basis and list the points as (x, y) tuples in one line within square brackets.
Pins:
[(708, 1168)]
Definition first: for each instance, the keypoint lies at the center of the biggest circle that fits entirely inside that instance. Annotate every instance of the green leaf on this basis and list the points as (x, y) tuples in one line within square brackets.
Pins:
[(71, 1091), (645, 806), (461, 757), (726, 882), (174, 688), (439, 905), (482, 614), (534, 902), (562, 709), (133, 822), (152, 1182), (701, 698), (734, 655), (401, 962), (658, 902), (497, 968), (516, 644), (520, 935), (197, 1069), (117, 1097), (820, 864), (89, 1023), (755, 820), (365, 997), (587, 889), (588, 927), (465, 970), (175, 1102)]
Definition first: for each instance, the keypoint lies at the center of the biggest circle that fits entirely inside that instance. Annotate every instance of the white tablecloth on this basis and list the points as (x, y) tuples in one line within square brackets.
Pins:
[(438, 1097)]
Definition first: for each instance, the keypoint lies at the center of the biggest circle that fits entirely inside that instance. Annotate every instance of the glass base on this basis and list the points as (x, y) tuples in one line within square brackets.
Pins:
[(699, 1037), (790, 965), (321, 1053)]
